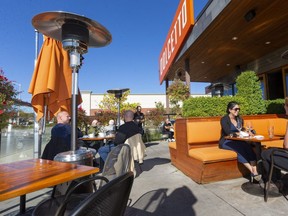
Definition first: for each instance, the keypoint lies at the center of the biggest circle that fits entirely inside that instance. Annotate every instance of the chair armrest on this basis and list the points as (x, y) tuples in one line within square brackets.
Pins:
[(62, 207), (277, 151)]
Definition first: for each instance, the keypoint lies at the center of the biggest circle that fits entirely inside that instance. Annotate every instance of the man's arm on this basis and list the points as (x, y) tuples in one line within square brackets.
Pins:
[(120, 138)]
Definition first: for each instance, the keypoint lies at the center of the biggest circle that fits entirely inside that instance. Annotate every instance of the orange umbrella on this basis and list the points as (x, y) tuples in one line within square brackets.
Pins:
[(51, 83)]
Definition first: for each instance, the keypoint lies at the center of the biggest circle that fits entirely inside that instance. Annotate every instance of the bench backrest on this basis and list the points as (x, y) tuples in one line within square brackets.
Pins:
[(261, 125), (203, 131)]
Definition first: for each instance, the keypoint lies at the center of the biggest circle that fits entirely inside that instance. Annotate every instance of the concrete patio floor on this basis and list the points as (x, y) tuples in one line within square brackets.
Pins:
[(163, 190)]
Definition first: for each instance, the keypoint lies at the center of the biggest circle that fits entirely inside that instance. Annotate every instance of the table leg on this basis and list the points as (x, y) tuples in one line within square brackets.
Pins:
[(258, 151), (22, 204)]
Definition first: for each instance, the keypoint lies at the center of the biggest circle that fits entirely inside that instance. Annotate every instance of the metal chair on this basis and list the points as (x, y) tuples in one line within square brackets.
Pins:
[(116, 164), (138, 149), (50, 206), (109, 200), (277, 152)]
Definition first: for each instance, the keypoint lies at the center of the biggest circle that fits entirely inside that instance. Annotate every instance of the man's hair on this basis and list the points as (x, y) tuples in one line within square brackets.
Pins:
[(128, 115), (59, 114)]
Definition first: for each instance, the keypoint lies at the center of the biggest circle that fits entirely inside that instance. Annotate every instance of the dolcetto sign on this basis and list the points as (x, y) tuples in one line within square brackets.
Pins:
[(182, 22)]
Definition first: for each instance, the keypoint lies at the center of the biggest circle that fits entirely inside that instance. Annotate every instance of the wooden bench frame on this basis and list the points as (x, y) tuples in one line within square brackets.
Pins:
[(206, 171)]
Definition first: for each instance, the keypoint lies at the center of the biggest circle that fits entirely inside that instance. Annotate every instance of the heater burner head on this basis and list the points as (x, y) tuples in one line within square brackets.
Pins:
[(61, 25)]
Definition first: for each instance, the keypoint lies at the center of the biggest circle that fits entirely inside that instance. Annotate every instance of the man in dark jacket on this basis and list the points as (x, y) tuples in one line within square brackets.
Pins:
[(124, 132), (60, 137)]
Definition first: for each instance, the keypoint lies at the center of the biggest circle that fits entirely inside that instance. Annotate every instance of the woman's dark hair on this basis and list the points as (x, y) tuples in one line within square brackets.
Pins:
[(231, 105)]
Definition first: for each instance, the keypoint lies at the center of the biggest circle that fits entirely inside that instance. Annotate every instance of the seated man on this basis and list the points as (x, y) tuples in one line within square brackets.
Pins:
[(125, 131), (60, 137), (280, 158), (168, 129)]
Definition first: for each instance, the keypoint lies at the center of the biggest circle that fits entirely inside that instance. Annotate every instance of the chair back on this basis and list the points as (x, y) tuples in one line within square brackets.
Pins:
[(109, 200), (137, 146), (117, 162)]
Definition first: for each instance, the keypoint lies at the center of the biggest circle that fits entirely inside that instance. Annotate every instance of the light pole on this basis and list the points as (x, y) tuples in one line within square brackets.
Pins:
[(19, 98), (118, 94)]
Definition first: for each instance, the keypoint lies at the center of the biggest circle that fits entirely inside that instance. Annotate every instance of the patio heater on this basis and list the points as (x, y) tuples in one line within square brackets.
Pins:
[(76, 33), (118, 94)]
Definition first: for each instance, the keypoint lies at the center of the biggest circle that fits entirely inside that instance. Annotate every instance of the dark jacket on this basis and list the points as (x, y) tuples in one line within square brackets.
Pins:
[(60, 141), (126, 131), (226, 127)]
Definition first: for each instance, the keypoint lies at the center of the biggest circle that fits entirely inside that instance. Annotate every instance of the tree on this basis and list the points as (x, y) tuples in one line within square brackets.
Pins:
[(7, 96), (249, 87), (110, 102), (154, 117), (177, 92)]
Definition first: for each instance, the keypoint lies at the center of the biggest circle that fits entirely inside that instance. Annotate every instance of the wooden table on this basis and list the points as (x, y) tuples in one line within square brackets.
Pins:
[(22, 177), (256, 142)]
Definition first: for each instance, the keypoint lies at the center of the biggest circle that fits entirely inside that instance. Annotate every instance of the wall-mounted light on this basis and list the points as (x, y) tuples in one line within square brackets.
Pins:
[(250, 15), (285, 55)]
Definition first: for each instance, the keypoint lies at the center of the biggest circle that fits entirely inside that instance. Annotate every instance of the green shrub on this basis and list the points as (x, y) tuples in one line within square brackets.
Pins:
[(249, 87), (275, 106), (211, 106)]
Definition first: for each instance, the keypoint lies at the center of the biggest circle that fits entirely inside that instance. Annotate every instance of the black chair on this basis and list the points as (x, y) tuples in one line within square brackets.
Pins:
[(49, 207), (277, 152), (109, 200), (117, 163)]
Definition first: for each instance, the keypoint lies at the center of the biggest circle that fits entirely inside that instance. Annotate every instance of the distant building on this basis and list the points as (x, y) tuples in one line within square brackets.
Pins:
[(91, 100)]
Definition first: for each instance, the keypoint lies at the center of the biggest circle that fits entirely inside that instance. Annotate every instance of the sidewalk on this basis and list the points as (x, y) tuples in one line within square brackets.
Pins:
[(163, 190)]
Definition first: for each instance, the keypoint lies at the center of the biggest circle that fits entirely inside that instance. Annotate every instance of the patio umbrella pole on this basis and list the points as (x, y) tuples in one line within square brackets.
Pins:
[(37, 137)]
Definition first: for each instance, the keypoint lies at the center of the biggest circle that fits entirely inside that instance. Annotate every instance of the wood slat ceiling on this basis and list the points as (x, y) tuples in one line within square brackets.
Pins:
[(215, 55)]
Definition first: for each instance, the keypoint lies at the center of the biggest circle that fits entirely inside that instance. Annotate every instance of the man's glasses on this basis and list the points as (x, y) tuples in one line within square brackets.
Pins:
[(236, 109)]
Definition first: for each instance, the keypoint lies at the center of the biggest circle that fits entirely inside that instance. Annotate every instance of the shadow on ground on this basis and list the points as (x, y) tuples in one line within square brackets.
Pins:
[(148, 144), (151, 162), (157, 202)]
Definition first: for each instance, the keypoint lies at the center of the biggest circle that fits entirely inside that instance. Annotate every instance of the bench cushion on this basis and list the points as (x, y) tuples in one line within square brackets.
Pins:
[(212, 154)]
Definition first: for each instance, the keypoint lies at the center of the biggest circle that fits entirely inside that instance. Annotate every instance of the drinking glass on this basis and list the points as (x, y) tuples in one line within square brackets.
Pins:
[(249, 126), (271, 131)]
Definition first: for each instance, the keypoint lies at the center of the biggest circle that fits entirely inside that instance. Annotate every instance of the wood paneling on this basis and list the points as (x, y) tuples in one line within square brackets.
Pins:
[(216, 48)]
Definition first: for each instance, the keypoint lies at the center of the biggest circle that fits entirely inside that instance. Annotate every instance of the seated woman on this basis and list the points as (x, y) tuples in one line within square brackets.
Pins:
[(280, 158), (232, 123), (110, 129)]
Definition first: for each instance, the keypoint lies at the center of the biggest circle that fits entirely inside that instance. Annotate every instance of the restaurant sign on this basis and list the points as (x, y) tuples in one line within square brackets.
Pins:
[(181, 25)]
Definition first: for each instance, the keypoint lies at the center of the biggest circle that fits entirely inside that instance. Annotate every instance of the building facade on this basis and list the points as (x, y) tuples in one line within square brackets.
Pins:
[(229, 37), (91, 100)]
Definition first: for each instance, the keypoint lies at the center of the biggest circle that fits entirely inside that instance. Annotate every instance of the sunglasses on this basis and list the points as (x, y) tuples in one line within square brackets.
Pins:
[(236, 109)]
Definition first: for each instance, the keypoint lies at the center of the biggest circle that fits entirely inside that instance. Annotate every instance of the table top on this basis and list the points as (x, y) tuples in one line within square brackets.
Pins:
[(254, 139), (96, 138), (22, 177)]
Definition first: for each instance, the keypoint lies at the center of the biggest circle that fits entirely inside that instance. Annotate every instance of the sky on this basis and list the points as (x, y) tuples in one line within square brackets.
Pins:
[(138, 28)]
